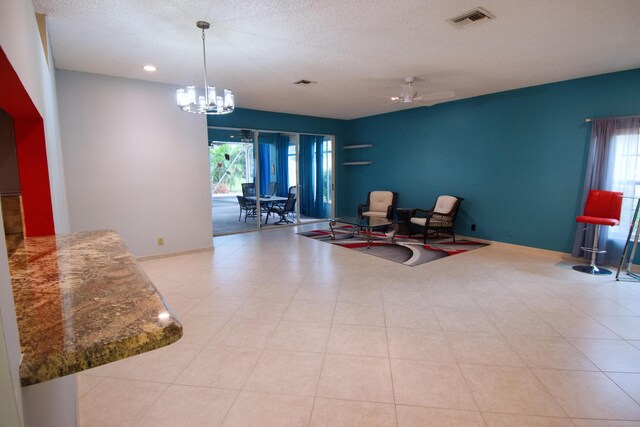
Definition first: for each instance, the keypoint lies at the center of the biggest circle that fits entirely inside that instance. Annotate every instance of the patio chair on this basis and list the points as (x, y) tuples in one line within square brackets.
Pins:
[(248, 189), (248, 207), (440, 218), (272, 188), (287, 209)]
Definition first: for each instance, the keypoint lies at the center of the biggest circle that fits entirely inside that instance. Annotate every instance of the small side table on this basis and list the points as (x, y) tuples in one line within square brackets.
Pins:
[(404, 218)]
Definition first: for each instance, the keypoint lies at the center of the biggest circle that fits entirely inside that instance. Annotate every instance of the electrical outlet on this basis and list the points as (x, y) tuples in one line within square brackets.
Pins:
[(473, 227), (160, 241)]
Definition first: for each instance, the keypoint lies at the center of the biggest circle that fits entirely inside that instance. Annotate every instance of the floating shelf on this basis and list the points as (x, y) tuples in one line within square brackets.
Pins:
[(353, 147), (364, 163)]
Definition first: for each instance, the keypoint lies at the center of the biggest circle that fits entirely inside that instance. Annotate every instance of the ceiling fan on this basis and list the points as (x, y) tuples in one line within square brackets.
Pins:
[(409, 94)]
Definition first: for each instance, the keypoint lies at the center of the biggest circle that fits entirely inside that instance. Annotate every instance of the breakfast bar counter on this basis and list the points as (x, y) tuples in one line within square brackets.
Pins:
[(82, 301)]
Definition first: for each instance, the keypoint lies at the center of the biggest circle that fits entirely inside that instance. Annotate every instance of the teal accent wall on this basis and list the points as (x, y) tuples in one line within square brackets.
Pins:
[(517, 157)]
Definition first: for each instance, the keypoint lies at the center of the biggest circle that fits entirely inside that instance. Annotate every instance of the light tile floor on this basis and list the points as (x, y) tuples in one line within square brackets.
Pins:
[(281, 330)]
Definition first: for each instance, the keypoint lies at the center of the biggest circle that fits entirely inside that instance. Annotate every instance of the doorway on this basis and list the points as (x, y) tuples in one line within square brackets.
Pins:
[(231, 164), (265, 179)]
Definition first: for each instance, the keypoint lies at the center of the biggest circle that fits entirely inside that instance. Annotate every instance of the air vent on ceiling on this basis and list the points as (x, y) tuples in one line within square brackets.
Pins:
[(303, 82), (472, 17)]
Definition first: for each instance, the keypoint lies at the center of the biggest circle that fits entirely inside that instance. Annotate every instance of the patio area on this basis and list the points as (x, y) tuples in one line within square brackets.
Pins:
[(225, 212)]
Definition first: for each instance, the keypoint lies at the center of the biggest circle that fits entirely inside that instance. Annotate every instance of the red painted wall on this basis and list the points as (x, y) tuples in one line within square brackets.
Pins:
[(31, 150)]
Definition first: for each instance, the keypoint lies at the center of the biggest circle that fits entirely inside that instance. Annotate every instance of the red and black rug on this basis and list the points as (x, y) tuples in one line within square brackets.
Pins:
[(406, 250)]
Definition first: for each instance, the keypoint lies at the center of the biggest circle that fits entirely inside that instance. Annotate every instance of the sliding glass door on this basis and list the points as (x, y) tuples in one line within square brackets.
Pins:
[(269, 179)]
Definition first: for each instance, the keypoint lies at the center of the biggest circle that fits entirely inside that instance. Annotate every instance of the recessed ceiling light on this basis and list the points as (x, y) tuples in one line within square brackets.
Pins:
[(150, 68)]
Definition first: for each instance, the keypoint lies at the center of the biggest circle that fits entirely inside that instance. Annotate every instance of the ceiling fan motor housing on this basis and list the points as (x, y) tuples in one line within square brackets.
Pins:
[(407, 93)]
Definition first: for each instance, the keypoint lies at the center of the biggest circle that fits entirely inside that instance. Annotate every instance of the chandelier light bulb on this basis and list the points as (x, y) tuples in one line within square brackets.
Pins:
[(228, 98), (210, 103)]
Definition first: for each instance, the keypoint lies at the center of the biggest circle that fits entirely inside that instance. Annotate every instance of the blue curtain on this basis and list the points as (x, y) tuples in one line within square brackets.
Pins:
[(311, 191), (264, 159), (319, 199), (282, 165)]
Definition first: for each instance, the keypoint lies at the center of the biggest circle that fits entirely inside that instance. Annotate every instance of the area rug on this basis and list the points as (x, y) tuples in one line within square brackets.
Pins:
[(406, 250)]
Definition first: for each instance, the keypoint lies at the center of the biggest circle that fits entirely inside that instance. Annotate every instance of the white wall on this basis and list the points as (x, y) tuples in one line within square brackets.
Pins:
[(54, 153), (134, 162)]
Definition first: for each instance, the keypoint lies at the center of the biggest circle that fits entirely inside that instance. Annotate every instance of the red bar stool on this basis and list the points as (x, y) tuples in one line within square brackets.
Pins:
[(602, 208)]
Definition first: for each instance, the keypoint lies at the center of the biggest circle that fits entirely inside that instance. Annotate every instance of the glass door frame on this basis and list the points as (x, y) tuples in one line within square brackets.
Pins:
[(296, 135)]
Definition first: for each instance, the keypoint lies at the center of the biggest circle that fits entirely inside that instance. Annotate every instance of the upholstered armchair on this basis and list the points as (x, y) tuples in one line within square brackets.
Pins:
[(380, 204), (440, 218)]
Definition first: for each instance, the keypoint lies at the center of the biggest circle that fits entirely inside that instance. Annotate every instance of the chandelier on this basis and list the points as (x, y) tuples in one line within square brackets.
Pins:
[(210, 103)]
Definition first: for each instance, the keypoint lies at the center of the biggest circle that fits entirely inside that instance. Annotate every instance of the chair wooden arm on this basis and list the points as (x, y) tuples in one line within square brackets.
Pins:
[(417, 210), (362, 207), (391, 211)]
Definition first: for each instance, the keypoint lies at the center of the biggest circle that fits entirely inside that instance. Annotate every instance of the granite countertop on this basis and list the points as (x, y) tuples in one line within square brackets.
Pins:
[(82, 301)]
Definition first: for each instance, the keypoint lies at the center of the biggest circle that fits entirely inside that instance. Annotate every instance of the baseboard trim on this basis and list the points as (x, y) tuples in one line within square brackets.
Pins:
[(531, 249), (172, 254)]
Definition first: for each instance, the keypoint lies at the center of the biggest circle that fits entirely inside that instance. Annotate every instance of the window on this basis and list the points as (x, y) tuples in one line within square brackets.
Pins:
[(326, 171), (293, 181), (625, 164)]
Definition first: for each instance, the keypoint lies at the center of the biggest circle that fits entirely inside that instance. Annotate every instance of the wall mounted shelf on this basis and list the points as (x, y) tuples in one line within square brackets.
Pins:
[(354, 147), (364, 163)]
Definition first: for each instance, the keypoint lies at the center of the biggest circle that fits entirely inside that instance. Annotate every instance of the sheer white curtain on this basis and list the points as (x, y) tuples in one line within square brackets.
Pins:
[(624, 176)]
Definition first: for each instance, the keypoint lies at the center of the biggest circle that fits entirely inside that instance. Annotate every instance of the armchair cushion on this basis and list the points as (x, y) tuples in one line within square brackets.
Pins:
[(380, 204), (379, 201), (419, 221), (375, 214), (445, 204)]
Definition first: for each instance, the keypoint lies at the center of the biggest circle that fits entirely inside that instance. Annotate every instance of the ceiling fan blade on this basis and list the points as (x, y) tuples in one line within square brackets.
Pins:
[(379, 96), (435, 96)]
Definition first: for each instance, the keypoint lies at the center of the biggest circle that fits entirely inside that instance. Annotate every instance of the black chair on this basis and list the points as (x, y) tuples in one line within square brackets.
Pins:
[(272, 188), (248, 207), (440, 218), (248, 189), (287, 209)]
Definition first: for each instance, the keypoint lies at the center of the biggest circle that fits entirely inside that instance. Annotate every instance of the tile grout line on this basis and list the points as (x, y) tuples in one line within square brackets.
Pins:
[(464, 378), (241, 389), (173, 382), (386, 335), (324, 353), (620, 387), (531, 371)]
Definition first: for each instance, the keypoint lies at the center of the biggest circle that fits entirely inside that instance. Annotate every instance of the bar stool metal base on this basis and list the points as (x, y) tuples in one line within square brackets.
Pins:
[(592, 269)]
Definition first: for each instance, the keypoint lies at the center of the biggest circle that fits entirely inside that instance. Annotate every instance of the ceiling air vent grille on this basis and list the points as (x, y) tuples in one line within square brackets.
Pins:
[(472, 17)]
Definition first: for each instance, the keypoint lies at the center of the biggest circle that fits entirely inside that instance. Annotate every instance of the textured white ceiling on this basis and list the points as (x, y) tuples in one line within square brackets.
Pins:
[(357, 51)]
